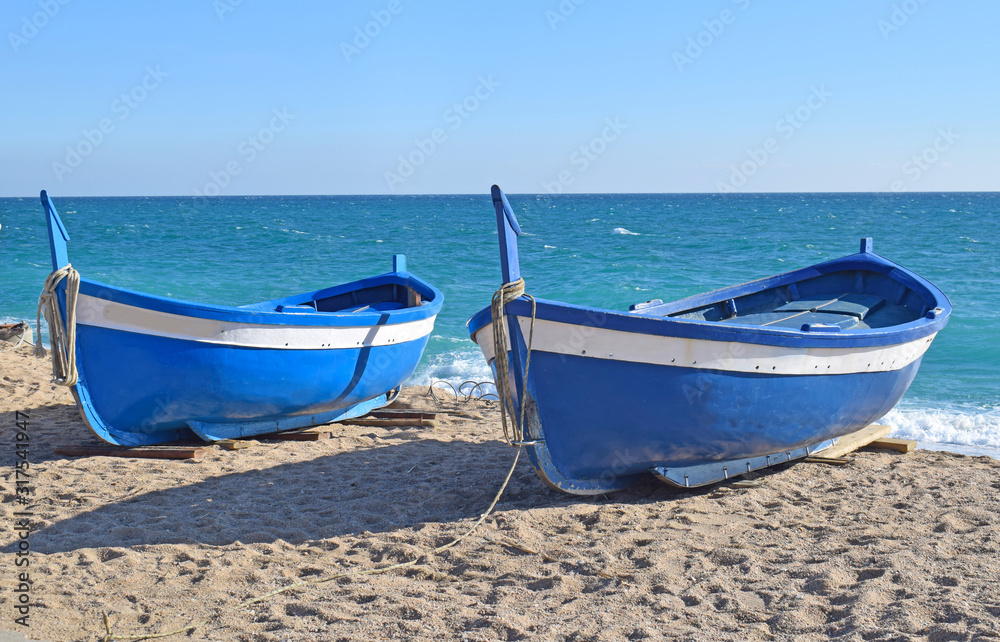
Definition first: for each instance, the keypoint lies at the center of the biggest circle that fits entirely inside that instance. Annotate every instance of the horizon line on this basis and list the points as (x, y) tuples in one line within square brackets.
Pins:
[(221, 196)]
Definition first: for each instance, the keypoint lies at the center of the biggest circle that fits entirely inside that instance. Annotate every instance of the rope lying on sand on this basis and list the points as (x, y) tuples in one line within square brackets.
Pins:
[(461, 395), (507, 293), (62, 332)]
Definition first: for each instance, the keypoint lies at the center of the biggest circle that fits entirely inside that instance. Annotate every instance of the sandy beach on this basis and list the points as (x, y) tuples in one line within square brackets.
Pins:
[(892, 546)]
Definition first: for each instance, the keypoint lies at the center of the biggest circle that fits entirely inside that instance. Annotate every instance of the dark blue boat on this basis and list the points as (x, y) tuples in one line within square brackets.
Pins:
[(712, 386), (151, 370)]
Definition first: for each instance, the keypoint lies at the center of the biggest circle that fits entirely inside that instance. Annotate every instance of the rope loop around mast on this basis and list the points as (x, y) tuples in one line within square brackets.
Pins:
[(62, 332), (514, 432)]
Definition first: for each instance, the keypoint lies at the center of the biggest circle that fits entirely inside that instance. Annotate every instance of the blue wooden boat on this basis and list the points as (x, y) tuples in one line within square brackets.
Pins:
[(712, 386), (152, 370)]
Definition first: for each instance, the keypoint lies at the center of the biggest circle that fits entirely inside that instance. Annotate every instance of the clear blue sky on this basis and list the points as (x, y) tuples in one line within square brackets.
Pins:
[(660, 96)]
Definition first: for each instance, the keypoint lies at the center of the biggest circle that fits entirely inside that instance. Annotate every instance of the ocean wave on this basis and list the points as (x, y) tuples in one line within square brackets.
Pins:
[(966, 428), (622, 230), (453, 367)]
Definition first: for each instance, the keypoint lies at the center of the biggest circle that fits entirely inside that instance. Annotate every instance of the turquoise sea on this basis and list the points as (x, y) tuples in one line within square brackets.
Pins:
[(606, 250)]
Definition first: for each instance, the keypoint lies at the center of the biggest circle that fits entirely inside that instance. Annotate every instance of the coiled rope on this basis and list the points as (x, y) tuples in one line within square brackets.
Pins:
[(507, 293), (513, 435), (461, 395), (62, 332)]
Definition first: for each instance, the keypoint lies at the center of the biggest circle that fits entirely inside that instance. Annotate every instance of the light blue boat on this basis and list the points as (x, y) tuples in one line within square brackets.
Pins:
[(712, 386), (152, 370)]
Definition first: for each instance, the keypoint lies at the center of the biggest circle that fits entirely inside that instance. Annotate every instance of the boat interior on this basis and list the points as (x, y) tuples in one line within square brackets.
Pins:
[(382, 297), (835, 302)]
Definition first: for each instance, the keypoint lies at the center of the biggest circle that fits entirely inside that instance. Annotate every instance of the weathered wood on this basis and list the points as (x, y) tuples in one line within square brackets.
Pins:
[(829, 461), (390, 423), (463, 413), (297, 435), (398, 414), (146, 452), (850, 443), (233, 444), (899, 445)]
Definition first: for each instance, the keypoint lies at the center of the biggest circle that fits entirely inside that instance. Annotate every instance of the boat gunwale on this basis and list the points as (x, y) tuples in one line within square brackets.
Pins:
[(661, 325), (250, 314)]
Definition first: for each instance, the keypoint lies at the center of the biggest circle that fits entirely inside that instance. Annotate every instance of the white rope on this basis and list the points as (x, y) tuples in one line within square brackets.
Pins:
[(62, 332), (509, 292)]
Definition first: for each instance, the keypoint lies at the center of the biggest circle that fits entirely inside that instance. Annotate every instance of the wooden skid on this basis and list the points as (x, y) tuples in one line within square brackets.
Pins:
[(829, 461), (900, 445), (166, 452), (233, 444), (389, 413), (850, 443), (390, 423), (294, 435)]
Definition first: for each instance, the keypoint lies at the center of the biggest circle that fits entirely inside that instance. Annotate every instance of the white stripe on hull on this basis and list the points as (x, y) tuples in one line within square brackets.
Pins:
[(102, 313), (728, 356)]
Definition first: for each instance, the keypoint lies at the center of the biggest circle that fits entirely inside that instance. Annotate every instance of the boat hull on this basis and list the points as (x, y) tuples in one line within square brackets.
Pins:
[(153, 370), (607, 405), (148, 386)]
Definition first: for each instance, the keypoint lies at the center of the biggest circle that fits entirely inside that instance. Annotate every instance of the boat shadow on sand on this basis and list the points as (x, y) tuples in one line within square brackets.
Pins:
[(398, 480)]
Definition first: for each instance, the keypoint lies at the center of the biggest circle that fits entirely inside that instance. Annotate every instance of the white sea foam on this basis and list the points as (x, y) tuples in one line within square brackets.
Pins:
[(622, 230), (454, 367), (968, 431)]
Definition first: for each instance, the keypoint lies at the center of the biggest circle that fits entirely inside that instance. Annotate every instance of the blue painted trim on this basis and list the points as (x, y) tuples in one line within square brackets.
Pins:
[(651, 320), (711, 331), (265, 312), (861, 261), (508, 230), (58, 236)]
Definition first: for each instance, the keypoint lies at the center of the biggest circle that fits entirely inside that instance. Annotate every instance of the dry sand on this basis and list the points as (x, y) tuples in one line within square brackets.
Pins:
[(889, 547)]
